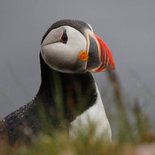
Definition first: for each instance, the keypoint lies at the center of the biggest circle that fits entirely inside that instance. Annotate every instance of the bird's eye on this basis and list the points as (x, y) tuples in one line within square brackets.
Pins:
[(64, 37)]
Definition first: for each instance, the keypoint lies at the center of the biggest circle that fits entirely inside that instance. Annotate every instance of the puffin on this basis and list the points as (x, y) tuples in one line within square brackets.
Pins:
[(68, 97)]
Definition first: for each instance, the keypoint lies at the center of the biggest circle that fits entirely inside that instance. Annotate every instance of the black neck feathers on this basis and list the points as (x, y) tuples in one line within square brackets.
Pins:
[(65, 94)]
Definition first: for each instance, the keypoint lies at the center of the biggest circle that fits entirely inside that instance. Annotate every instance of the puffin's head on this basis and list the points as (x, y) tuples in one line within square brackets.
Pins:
[(71, 46)]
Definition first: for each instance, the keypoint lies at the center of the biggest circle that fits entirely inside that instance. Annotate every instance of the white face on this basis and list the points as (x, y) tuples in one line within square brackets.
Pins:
[(61, 49)]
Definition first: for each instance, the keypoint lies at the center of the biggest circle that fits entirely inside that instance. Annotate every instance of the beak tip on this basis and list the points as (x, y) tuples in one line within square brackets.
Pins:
[(106, 56), (112, 65)]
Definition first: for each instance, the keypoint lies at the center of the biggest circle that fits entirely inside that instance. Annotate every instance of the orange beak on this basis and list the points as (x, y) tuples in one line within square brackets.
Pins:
[(107, 60), (99, 55)]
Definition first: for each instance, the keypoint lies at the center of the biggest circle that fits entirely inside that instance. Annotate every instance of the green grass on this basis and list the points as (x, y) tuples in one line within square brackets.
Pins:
[(61, 144), (132, 129)]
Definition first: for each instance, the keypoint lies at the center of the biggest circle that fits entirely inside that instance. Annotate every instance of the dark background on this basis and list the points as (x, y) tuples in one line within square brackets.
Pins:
[(128, 27)]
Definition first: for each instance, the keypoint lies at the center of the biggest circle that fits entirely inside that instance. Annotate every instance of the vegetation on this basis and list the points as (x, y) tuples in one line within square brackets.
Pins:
[(131, 129)]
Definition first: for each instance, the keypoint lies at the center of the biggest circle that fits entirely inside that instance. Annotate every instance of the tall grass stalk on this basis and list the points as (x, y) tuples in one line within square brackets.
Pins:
[(130, 133)]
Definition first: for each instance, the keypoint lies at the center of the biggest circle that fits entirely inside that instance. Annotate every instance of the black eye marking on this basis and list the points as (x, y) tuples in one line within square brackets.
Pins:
[(64, 37)]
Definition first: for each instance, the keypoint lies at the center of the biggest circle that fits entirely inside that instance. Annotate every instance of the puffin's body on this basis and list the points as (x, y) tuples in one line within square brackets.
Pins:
[(68, 95)]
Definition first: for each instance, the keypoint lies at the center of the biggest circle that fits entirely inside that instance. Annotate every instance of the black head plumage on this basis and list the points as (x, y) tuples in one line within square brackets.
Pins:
[(77, 24)]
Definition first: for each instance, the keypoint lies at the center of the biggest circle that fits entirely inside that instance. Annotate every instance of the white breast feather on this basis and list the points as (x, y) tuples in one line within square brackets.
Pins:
[(94, 115)]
